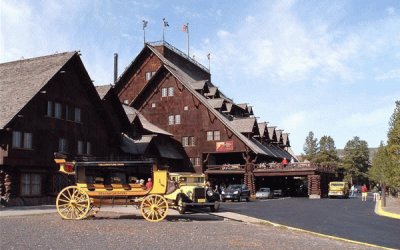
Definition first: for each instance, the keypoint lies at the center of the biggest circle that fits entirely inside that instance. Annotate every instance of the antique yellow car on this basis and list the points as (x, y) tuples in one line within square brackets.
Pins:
[(338, 189), (112, 183), (191, 192)]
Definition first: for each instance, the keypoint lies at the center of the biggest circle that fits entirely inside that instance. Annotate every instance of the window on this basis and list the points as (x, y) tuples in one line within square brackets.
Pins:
[(217, 135), (57, 110), (192, 141), (77, 115), (171, 119), (16, 139), (62, 145), (197, 161), (164, 92), (177, 119), (210, 136), (149, 75), (171, 91), (88, 148), (31, 184), (153, 105), (213, 135), (49, 108), (186, 108), (185, 141), (80, 147), (28, 140), (126, 101)]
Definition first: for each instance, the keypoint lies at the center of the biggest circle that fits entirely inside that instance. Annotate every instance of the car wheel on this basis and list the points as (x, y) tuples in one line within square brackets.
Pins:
[(247, 199), (179, 204), (239, 199), (223, 200)]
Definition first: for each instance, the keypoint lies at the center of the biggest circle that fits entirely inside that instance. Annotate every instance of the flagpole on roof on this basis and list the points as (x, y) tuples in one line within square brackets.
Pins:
[(209, 61), (165, 24), (185, 28), (144, 30)]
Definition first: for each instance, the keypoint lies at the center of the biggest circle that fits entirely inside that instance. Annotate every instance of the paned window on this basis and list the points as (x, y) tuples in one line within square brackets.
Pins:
[(77, 115), (217, 136), (80, 147), (57, 110), (197, 161), (171, 119), (186, 108), (62, 145), (149, 75), (210, 136), (28, 140), (164, 92), (31, 184), (49, 108), (153, 105), (88, 148), (177, 119), (16, 139), (192, 141), (185, 141), (171, 91)]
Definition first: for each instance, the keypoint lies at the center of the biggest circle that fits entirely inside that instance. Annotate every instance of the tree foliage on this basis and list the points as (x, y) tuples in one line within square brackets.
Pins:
[(326, 151), (356, 158), (386, 164), (310, 147)]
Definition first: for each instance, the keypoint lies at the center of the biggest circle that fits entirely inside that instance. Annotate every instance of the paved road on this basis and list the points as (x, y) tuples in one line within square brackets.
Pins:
[(128, 231), (346, 218)]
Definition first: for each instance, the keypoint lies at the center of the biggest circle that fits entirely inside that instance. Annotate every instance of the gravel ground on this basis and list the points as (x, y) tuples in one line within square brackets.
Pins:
[(109, 230)]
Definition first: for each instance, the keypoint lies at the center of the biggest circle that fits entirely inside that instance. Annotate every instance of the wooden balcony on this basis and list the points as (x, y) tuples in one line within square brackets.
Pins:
[(226, 168)]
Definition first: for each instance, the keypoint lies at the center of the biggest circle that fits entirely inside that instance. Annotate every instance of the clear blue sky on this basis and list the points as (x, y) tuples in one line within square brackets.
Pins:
[(331, 67)]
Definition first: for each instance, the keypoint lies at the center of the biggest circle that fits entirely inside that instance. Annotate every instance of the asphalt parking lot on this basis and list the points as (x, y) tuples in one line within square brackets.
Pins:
[(346, 218), (110, 230)]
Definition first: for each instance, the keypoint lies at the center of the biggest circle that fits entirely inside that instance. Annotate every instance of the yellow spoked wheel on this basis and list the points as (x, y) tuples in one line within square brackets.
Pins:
[(73, 203), (154, 208)]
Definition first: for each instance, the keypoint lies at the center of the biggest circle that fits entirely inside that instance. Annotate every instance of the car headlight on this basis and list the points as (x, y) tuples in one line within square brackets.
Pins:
[(222, 192), (209, 193), (236, 192)]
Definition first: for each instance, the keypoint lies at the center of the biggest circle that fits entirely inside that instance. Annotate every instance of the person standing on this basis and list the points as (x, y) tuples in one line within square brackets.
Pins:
[(375, 192), (364, 193), (352, 191), (284, 162)]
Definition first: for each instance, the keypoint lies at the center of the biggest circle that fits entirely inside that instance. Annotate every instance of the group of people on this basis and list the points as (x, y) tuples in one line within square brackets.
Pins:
[(148, 185), (376, 191)]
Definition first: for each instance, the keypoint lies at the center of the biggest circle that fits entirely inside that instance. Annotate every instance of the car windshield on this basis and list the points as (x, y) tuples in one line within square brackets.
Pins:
[(234, 187), (337, 184), (264, 189), (191, 180)]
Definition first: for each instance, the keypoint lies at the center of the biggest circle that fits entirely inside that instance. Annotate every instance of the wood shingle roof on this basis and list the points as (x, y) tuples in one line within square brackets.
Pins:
[(21, 80)]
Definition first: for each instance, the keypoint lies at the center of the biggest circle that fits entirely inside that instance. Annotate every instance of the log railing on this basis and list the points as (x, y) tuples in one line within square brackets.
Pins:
[(260, 167)]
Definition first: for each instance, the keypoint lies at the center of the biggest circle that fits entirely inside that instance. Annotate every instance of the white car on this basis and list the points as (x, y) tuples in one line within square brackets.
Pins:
[(264, 193)]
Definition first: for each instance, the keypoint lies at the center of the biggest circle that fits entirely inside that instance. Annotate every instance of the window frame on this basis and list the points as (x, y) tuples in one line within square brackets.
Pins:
[(27, 184)]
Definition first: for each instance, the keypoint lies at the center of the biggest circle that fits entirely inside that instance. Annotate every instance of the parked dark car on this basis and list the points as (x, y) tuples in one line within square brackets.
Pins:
[(235, 192), (278, 192)]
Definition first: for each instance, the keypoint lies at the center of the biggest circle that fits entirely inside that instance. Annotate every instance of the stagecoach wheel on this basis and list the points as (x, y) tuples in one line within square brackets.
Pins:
[(154, 208), (73, 203)]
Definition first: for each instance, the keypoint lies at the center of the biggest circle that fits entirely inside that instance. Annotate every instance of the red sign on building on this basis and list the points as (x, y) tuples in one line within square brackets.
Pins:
[(225, 146)]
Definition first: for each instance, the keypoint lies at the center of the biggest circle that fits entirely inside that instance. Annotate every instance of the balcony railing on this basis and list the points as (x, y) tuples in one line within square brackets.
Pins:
[(179, 52), (227, 167), (260, 167)]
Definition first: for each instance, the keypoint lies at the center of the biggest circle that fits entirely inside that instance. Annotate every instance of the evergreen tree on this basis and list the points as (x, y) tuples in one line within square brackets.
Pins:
[(327, 151), (394, 146), (356, 159), (310, 147), (382, 170)]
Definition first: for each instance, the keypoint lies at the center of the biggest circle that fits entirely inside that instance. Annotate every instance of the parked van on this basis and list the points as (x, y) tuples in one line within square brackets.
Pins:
[(338, 189)]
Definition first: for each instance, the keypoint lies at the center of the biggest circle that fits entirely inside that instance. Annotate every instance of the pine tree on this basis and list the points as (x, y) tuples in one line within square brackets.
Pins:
[(327, 151), (310, 147), (356, 159), (394, 146)]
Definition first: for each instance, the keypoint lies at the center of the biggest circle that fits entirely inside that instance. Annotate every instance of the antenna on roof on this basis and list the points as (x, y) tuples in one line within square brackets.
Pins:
[(165, 24)]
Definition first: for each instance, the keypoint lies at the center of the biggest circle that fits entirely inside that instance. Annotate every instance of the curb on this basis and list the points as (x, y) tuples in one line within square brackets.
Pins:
[(248, 219), (381, 212)]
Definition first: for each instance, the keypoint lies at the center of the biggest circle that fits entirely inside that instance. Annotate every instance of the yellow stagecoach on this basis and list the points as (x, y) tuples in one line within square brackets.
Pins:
[(109, 183)]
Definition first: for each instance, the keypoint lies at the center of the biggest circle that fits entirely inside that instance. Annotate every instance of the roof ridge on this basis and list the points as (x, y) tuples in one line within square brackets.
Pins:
[(39, 57)]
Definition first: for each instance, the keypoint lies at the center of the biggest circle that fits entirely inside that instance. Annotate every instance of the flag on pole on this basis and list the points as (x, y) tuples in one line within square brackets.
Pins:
[(185, 28), (144, 23), (165, 23), (208, 56)]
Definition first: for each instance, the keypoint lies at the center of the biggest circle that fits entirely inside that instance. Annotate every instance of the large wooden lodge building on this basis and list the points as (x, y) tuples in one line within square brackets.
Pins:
[(164, 106)]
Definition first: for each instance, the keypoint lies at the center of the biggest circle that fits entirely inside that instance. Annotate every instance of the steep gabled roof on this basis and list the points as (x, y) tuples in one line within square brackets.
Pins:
[(246, 125), (285, 137), (217, 103), (278, 135), (271, 132), (103, 90), (262, 127), (213, 91), (21, 80), (133, 114)]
